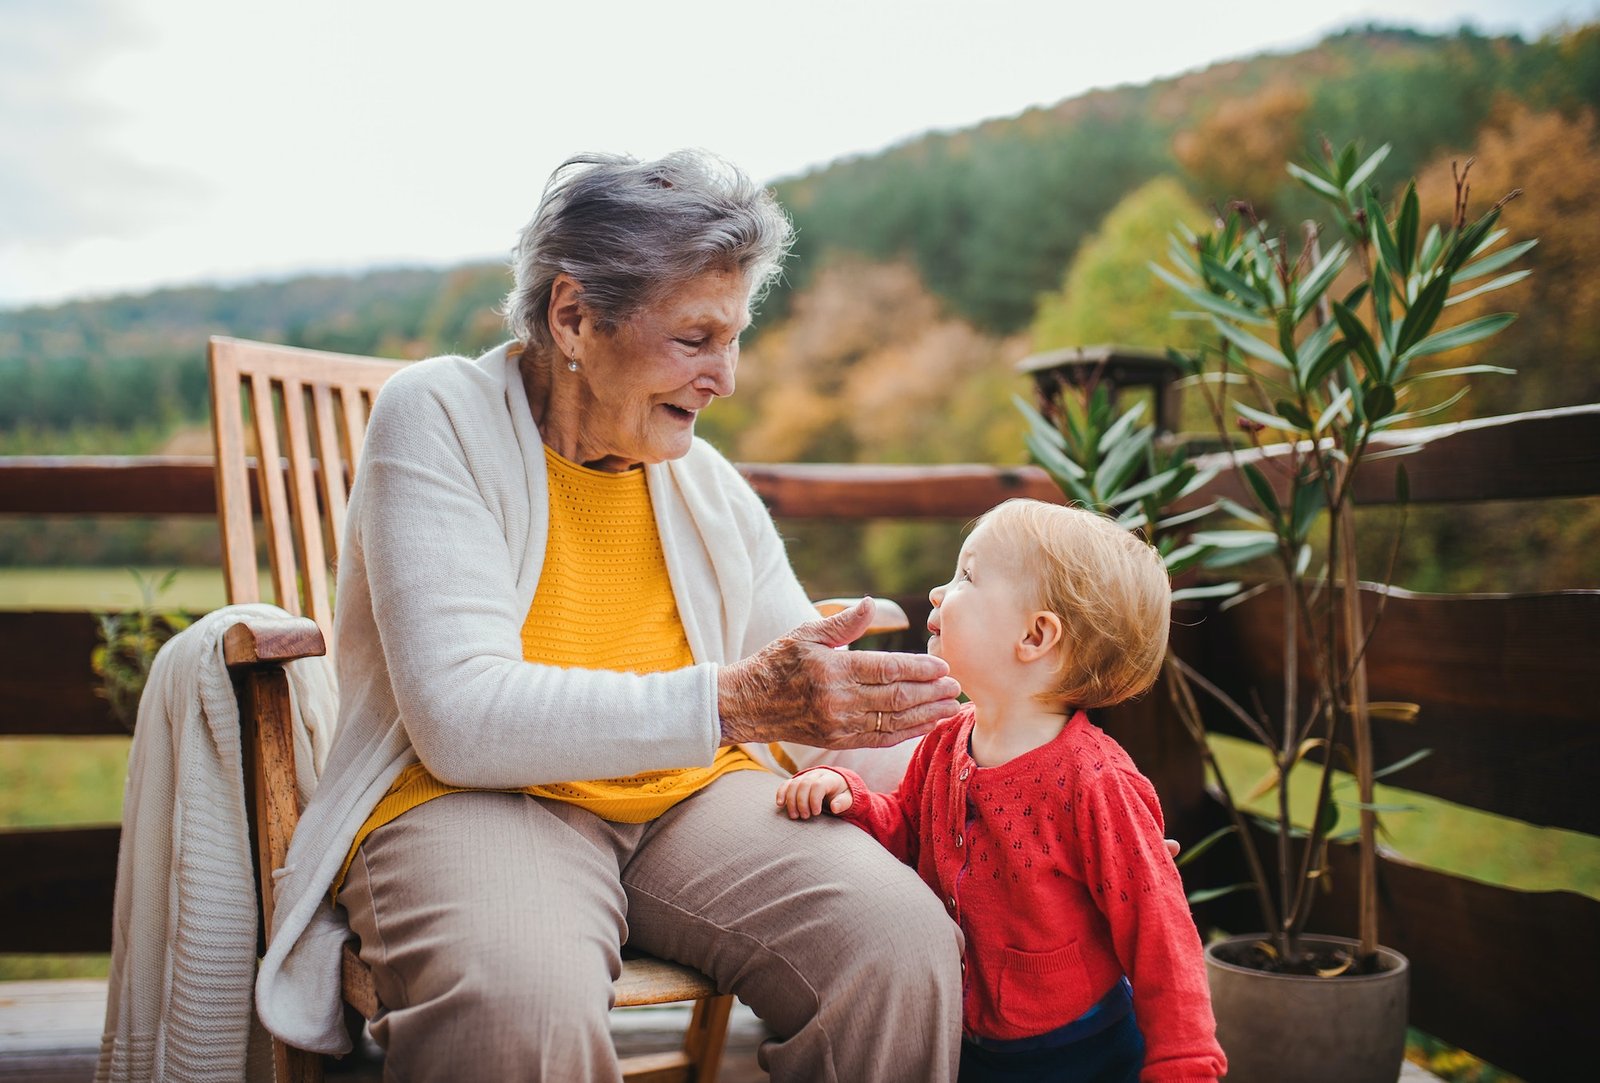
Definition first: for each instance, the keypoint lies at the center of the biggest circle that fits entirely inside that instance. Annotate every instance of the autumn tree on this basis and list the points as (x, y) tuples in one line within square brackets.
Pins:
[(1553, 159), (868, 366), (1238, 151)]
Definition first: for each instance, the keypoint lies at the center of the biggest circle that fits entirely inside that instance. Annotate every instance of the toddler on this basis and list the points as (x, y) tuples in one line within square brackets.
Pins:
[(1034, 827)]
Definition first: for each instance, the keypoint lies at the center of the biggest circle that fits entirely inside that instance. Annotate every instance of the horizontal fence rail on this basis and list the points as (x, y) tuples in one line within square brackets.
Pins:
[(1549, 453)]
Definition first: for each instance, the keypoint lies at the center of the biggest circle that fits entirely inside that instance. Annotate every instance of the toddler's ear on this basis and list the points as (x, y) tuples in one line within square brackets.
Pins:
[(1042, 637)]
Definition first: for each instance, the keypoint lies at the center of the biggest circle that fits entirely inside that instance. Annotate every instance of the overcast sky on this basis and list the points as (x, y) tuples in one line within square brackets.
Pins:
[(160, 142)]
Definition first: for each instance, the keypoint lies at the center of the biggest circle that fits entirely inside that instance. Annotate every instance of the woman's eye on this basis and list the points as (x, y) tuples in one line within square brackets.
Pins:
[(692, 343)]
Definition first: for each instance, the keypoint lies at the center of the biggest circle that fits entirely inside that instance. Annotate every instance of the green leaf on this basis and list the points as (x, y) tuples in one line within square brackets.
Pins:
[(1490, 264), (1489, 287), (1375, 807), (1424, 313), (1214, 590), (1402, 764), (1405, 233), (1037, 423), (1470, 242), (1368, 167), (1239, 511), (1330, 817), (1121, 462), (1429, 411), (1402, 484), (1233, 539), (1382, 239), (1356, 334), (1252, 345), (1286, 327), (1201, 479), (1228, 557), (1232, 282), (1141, 489), (1462, 370), (1051, 455), (1382, 313), (1217, 306), (1293, 414), (1312, 348), (1190, 365), (1117, 431), (1262, 488), (1343, 166), (1331, 355), (1261, 417), (1308, 504), (1194, 852), (1462, 334), (1195, 898), (1316, 183), (1318, 279), (1334, 409), (1377, 401), (1430, 247), (1186, 517)]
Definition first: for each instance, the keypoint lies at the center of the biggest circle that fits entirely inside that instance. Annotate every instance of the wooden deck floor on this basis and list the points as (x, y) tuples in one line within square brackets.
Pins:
[(50, 1033)]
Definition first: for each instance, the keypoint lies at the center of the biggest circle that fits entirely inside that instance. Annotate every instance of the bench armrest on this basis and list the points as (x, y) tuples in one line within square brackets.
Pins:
[(253, 642)]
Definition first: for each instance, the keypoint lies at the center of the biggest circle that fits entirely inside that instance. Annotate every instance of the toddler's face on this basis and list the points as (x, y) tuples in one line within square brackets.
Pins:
[(979, 615)]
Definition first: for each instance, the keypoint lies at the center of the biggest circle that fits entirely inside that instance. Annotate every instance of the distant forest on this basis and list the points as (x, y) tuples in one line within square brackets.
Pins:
[(924, 272)]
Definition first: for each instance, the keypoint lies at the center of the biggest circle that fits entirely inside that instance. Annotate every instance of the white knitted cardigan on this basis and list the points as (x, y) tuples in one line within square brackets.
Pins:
[(445, 539), (184, 919)]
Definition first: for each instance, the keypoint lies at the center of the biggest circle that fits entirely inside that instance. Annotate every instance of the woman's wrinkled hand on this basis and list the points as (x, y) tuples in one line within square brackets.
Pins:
[(798, 688)]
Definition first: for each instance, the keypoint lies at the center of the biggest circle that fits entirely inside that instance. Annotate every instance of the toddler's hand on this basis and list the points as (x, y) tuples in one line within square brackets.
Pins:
[(804, 796)]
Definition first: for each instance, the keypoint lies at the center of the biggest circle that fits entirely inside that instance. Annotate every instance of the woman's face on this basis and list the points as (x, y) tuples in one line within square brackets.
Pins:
[(644, 384)]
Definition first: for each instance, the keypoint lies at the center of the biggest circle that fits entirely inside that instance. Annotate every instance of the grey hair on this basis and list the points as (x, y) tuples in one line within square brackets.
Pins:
[(629, 232)]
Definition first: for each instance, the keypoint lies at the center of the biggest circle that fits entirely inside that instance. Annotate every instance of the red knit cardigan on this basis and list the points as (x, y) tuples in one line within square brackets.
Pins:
[(1053, 865)]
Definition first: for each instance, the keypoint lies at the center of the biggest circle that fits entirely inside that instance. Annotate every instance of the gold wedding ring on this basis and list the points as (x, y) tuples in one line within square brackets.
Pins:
[(879, 727)]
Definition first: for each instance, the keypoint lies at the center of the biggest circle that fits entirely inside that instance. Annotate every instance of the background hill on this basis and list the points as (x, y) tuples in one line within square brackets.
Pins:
[(924, 271)]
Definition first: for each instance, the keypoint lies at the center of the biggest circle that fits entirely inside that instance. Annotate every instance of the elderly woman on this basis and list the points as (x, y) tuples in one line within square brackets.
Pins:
[(569, 643)]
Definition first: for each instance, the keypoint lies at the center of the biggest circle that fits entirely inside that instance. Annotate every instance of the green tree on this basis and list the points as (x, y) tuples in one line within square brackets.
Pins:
[(1105, 296)]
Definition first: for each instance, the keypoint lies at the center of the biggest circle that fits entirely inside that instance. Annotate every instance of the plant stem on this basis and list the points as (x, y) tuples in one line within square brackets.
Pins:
[(1188, 708), (1361, 736)]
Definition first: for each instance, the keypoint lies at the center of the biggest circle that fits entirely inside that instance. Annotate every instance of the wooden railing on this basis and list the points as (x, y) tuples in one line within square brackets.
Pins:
[(1509, 687)]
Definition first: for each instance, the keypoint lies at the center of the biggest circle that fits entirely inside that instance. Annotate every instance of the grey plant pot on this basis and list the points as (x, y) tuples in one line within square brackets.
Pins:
[(1281, 1027)]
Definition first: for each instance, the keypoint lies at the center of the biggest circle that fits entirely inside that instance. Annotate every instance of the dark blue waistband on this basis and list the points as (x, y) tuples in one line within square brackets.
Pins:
[(1107, 1011)]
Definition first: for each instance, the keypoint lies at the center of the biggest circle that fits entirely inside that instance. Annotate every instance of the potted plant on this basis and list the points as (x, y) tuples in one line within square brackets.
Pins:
[(1316, 378)]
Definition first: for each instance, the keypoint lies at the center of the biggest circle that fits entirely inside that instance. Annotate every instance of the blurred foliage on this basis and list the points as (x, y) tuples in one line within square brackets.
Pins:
[(1106, 296), (868, 366), (128, 642), (1449, 1063)]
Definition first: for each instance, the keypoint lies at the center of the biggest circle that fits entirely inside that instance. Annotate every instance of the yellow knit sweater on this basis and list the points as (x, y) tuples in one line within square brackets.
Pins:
[(603, 602)]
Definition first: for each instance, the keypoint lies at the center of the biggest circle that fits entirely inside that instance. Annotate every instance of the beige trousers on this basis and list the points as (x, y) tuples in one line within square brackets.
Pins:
[(493, 923)]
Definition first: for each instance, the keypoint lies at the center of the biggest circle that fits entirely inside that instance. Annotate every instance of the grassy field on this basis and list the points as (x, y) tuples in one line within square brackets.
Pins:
[(195, 589), (1438, 834)]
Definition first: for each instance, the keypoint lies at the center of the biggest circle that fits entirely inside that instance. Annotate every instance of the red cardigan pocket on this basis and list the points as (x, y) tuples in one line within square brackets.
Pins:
[(1041, 990)]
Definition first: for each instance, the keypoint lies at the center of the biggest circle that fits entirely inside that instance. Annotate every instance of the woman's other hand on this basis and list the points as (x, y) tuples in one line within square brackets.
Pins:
[(798, 688), (807, 794)]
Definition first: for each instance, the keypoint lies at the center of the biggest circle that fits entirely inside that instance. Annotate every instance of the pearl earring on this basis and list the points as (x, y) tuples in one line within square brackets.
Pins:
[(572, 364)]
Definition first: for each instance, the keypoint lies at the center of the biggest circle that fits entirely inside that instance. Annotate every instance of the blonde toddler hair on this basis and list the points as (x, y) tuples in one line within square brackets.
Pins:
[(1108, 586)]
